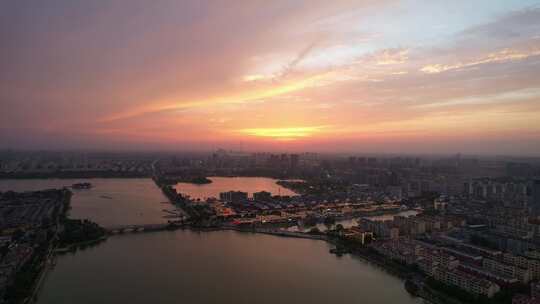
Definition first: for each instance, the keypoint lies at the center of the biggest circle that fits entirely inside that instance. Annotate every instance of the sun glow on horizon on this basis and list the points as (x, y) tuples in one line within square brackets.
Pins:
[(299, 75), (288, 133)]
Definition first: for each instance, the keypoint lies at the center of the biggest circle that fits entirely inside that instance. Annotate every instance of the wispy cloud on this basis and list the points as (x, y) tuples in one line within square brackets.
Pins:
[(300, 70), (523, 94), (245, 97), (504, 55), (391, 56), (303, 54)]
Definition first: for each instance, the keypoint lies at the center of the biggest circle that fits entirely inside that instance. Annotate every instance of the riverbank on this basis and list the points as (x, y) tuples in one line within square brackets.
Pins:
[(278, 232), (75, 246), (73, 175), (48, 263)]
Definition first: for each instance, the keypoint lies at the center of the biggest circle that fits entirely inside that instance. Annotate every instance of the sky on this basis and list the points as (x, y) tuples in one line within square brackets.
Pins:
[(305, 75)]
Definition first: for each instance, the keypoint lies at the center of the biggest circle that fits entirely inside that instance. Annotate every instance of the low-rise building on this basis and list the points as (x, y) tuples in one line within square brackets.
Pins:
[(466, 281), (531, 264), (358, 234), (506, 269)]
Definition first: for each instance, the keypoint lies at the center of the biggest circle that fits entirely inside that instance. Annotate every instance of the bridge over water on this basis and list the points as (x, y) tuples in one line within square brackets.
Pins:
[(140, 228), (171, 226)]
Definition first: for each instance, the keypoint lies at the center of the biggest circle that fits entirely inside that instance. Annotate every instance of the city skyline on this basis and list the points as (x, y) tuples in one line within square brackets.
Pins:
[(346, 76)]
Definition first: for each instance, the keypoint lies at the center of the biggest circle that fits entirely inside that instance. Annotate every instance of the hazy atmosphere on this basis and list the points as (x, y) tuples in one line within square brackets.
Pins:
[(277, 151), (342, 76)]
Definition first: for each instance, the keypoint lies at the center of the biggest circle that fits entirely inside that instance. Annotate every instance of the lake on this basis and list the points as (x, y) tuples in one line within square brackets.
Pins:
[(194, 267), (217, 267), (224, 184), (111, 201)]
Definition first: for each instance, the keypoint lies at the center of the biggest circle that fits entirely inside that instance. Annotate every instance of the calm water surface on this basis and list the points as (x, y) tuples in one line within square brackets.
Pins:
[(216, 267), (223, 184), (110, 202), (190, 267)]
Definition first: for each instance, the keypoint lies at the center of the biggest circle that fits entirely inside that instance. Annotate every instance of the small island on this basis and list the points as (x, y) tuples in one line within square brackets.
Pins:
[(200, 180), (190, 179)]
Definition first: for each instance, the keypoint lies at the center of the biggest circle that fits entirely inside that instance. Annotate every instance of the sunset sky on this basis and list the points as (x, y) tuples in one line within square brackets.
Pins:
[(331, 76)]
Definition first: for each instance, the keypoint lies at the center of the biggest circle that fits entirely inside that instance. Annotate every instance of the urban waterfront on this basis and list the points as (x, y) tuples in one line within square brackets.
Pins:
[(216, 267), (198, 267), (351, 222), (224, 184)]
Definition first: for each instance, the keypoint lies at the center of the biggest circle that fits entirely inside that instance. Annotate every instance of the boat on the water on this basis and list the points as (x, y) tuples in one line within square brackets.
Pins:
[(79, 186)]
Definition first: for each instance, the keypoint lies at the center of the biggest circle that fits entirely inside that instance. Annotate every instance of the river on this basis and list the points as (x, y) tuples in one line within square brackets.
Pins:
[(200, 267)]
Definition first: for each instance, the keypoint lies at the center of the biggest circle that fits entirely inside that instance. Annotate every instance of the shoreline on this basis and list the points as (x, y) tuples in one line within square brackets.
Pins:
[(260, 230), (382, 265), (38, 285), (76, 246)]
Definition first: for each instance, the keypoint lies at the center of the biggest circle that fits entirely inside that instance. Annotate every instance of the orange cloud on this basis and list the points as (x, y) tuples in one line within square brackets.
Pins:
[(249, 96)]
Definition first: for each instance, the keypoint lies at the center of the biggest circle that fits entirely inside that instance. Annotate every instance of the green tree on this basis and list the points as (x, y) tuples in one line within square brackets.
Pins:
[(314, 230)]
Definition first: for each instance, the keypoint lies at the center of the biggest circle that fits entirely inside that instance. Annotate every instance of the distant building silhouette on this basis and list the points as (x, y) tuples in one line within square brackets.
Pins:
[(535, 206)]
